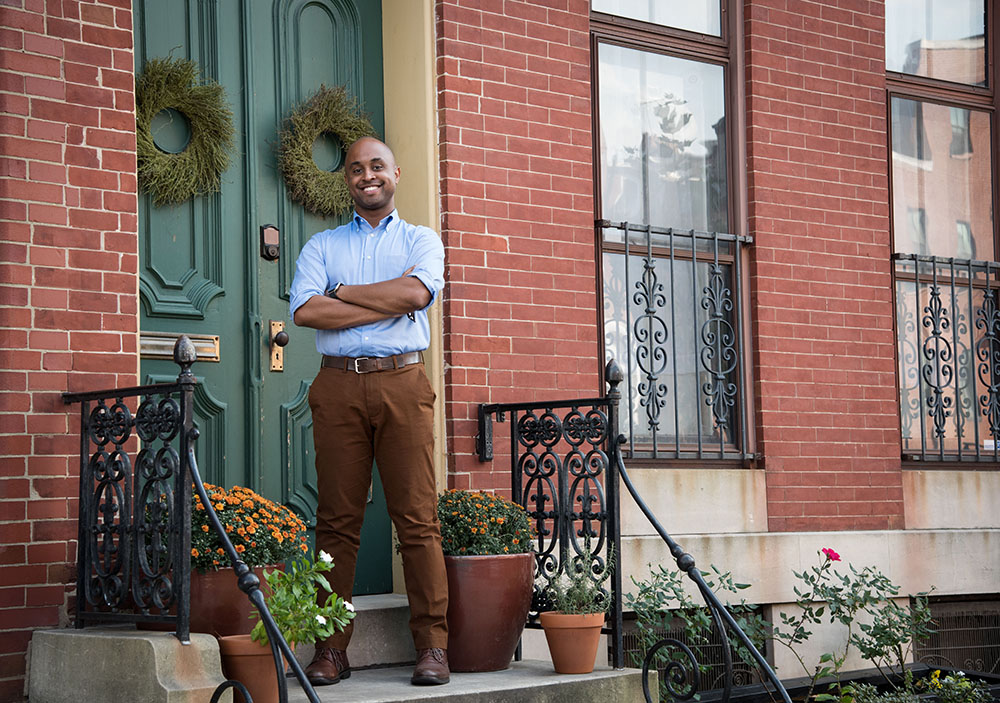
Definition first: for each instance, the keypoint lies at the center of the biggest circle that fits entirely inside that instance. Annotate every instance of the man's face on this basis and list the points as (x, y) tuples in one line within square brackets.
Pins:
[(371, 175)]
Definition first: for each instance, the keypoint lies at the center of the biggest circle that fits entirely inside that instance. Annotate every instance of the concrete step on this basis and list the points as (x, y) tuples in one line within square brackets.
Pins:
[(529, 681)]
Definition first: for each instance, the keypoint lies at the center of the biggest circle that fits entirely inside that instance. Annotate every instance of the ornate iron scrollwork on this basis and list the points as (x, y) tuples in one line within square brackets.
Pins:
[(988, 354), (718, 355), (937, 370), (651, 333)]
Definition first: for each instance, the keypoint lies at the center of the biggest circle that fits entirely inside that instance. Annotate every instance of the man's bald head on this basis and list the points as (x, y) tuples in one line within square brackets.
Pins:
[(371, 174)]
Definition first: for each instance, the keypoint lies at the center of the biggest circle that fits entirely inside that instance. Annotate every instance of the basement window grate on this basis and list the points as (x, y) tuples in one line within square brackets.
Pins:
[(967, 637)]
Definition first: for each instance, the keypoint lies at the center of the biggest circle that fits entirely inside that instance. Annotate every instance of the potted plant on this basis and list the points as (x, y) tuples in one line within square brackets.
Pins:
[(299, 617), (264, 533), (490, 564), (573, 627)]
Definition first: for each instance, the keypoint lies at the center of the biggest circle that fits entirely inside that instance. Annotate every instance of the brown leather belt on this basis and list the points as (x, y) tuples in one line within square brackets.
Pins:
[(367, 364)]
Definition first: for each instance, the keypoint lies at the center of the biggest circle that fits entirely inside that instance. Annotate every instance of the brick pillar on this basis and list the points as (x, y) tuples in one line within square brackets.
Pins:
[(520, 304), (826, 403), (68, 285)]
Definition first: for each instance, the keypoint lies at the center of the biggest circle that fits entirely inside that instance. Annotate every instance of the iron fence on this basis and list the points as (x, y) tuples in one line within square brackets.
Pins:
[(133, 555), (563, 474), (673, 313), (948, 350)]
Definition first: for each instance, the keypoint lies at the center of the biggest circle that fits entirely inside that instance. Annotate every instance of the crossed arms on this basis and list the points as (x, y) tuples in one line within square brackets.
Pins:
[(363, 304)]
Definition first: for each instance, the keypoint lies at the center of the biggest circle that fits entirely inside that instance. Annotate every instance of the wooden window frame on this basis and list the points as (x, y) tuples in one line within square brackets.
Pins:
[(726, 50), (948, 94)]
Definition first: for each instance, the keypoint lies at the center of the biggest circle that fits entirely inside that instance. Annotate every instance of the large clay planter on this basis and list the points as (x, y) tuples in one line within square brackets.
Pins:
[(252, 664), (218, 606), (573, 640), (488, 601)]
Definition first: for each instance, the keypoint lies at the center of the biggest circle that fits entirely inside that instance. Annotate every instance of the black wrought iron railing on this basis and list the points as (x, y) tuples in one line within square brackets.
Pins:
[(566, 470), (563, 475), (948, 349), (673, 315), (137, 467)]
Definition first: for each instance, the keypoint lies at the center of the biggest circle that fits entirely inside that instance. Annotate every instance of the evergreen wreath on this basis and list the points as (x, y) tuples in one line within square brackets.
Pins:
[(328, 111), (173, 178)]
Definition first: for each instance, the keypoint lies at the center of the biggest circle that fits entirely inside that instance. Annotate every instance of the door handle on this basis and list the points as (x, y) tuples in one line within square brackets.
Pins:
[(277, 340)]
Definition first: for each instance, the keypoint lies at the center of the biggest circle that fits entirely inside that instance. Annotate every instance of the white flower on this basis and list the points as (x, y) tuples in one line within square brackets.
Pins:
[(348, 606), (325, 557), (320, 619), (960, 673)]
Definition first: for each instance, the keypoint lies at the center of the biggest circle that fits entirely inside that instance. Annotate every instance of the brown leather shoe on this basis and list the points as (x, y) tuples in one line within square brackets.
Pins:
[(431, 668), (328, 666)]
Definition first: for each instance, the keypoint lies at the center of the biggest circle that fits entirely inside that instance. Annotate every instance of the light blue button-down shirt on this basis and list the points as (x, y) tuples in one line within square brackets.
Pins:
[(356, 253)]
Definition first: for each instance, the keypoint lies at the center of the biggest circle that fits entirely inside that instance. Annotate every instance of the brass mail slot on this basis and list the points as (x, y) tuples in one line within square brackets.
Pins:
[(160, 345)]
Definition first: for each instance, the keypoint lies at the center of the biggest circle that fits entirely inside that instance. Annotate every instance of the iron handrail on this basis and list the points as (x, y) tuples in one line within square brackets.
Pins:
[(721, 617)]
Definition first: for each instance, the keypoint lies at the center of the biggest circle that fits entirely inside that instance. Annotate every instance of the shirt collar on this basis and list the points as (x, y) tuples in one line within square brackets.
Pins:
[(384, 222)]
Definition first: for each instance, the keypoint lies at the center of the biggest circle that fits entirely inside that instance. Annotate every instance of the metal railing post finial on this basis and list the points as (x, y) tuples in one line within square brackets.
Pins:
[(184, 356)]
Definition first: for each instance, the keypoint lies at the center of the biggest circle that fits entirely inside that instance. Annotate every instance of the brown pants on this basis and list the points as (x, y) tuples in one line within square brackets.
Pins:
[(386, 416)]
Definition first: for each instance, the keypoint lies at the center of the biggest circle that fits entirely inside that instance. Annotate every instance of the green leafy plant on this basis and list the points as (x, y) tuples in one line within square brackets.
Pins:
[(866, 693), (264, 533), (577, 590), (956, 688), (823, 595), (294, 606), (888, 641), (482, 523), (843, 598)]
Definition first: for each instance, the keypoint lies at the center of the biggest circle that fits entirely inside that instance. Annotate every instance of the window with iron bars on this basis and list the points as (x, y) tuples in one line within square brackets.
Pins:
[(668, 110), (942, 105)]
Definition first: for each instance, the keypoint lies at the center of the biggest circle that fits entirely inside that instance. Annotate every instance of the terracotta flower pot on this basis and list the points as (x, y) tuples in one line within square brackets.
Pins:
[(218, 606), (488, 601), (252, 664), (573, 640)]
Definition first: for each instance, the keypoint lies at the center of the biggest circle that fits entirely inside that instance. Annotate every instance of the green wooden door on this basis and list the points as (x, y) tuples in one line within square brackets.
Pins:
[(201, 270)]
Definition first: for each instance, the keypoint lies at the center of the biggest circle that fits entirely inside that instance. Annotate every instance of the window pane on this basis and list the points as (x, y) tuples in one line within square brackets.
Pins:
[(675, 339), (941, 180), (702, 16), (663, 140), (937, 38)]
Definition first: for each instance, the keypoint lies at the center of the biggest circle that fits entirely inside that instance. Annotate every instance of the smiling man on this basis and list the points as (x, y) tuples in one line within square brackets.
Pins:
[(365, 288)]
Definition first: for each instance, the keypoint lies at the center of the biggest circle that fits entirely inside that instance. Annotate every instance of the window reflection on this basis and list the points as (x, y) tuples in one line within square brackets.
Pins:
[(702, 16), (941, 176), (941, 39), (663, 143)]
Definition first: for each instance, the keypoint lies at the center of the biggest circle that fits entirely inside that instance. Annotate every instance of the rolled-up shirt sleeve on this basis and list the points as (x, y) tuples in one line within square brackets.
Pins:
[(311, 277), (427, 258)]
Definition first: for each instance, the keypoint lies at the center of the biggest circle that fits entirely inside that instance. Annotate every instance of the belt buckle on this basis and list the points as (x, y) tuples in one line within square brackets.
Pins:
[(360, 358)]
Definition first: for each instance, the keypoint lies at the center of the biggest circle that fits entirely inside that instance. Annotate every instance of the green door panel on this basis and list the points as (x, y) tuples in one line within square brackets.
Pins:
[(200, 266)]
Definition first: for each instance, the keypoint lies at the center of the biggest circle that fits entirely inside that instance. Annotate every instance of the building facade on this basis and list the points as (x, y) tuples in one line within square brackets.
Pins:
[(775, 215)]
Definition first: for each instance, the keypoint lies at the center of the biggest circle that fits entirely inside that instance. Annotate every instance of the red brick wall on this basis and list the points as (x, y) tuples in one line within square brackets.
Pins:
[(821, 285), (517, 212), (68, 285)]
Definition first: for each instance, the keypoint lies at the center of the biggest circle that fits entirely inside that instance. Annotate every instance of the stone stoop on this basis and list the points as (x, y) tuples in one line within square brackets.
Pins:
[(122, 665), (527, 681)]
